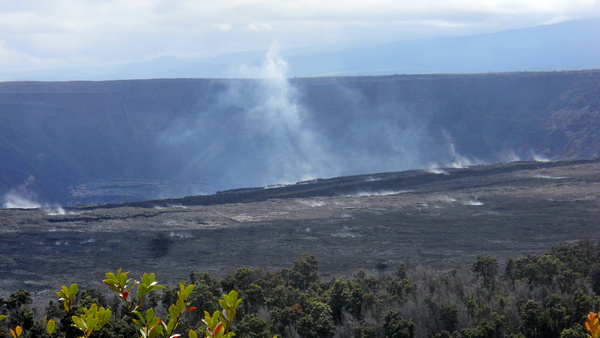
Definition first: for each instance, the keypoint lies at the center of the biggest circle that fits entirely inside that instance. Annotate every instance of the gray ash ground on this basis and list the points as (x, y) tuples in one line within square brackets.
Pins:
[(372, 222)]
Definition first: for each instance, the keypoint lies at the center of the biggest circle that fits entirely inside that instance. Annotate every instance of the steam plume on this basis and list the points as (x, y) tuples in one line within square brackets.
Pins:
[(291, 149), (254, 133), (22, 197)]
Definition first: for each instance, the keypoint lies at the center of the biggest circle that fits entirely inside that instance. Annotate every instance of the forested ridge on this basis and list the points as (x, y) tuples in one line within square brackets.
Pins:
[(546, 295)]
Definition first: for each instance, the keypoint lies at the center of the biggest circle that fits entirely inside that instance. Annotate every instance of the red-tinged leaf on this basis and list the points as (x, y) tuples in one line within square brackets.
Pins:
[(218, 329), (193, 308), (175, 335), (125, 294)]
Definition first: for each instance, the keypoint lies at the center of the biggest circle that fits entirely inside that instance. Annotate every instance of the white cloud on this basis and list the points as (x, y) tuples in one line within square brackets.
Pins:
[(259, 27), (224, 27)]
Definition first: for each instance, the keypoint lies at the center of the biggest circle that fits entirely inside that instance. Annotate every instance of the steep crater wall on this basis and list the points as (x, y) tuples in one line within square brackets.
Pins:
[(114, 141)]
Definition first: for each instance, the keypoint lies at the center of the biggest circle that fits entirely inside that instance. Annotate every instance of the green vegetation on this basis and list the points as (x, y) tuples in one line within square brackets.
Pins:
[(549, 295)]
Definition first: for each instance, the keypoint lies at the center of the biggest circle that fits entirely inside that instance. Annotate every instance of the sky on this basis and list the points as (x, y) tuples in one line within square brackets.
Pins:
[(37, 35)]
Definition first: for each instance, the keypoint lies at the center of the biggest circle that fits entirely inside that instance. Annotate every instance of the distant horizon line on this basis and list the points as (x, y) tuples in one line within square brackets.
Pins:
[(310, 77)]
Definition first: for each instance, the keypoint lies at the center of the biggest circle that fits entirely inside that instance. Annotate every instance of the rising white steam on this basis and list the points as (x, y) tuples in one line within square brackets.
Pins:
[(22, 197), (378, 193), (473, 202), (457, 160), (17, 201), (182, 235), (435, 169), (453, 158), (548, 177), (447, 199), (312, 203), (57, 210), (347, 232), (539, 158), (254, 132), (54, 210), (292, 150)]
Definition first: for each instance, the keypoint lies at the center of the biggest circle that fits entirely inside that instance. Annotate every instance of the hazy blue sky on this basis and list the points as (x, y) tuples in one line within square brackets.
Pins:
[(42, 34)]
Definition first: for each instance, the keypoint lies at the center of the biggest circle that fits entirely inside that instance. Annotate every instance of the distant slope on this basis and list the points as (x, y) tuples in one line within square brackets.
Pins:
[(571, 45), (116, 141)]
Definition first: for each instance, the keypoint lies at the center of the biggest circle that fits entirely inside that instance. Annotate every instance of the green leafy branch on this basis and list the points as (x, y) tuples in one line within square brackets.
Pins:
[(92, 319), (218, 324)]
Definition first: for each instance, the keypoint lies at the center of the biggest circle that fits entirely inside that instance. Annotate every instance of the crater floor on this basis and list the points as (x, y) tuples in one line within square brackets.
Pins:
[(371, 222)]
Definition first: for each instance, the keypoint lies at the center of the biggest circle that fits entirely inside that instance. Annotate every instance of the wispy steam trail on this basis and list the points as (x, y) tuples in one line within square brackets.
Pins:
[(458, 161)]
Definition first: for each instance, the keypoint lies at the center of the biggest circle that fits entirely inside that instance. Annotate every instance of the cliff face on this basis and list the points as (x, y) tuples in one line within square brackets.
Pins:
[(112, 141), (551, 114)]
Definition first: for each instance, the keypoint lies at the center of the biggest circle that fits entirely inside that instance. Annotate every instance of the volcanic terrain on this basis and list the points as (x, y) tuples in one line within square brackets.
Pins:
[(436, 219)]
